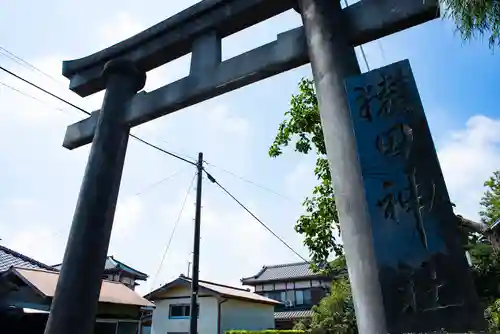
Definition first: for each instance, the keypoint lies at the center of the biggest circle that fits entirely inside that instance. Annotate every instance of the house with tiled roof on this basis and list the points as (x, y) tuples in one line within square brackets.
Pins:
[(118, 271), (296, 285), (10, 258), (221, 308), (27, 287)]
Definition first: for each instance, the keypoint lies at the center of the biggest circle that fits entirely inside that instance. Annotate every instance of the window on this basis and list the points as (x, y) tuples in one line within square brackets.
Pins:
[(276, 295), (290, 296), (126, 280), (181, 311), (299, 297), (105, 327), (307, 297)]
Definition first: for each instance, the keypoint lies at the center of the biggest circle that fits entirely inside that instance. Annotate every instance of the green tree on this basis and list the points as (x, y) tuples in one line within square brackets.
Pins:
[(486, 271), (334, 313), (476, 18), (302, 128), (319, 226), (493, 317), (491, 199)]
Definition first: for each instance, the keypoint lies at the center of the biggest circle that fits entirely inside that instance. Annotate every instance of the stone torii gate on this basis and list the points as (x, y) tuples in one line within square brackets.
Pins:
[(327, 40)]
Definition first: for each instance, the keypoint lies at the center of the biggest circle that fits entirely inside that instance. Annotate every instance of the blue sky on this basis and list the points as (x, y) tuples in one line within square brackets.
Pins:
[(40, 179)]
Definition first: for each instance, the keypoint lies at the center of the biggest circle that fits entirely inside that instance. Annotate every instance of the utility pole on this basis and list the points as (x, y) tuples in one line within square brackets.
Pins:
[(189, 268), (193, 327)]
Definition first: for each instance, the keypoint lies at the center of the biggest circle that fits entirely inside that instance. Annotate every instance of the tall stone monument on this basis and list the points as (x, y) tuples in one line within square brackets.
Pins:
[(422, 267)]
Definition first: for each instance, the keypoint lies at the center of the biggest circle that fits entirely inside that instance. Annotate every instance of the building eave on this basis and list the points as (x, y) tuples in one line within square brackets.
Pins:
[(253, 282)]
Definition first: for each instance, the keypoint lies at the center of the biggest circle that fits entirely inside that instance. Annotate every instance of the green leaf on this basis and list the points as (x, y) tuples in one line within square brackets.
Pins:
[(475, 18), (302, 130)]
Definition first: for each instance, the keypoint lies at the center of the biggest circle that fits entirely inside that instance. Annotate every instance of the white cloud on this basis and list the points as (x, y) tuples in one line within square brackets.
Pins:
[(39, 242), (129, 212), (23, 103), (298, 181), (121, 26), (469, 157), (220, 117)]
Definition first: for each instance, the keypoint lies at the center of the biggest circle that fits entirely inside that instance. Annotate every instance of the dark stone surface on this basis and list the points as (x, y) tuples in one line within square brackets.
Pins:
[(422, 266), (174, 37), (75, 302), (332, 60)]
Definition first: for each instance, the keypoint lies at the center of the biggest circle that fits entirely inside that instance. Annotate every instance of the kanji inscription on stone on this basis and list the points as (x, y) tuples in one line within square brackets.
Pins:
[(422, 267)]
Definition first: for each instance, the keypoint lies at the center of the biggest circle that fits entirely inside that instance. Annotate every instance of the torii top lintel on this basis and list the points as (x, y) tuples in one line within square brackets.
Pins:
[(200, 29), (174, 37)]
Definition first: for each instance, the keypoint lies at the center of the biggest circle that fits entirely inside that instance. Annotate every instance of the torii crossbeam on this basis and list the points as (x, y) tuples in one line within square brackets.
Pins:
[(199, 30)]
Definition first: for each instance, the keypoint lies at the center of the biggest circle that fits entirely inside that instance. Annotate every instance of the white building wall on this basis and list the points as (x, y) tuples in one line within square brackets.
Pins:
[(207, 321), (237, 314)]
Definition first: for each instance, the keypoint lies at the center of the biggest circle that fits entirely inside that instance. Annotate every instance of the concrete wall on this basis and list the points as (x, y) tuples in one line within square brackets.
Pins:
[(207, 321), (236, 314)]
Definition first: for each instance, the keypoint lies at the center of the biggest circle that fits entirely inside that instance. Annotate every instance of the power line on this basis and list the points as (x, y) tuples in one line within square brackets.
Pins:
[(173, 232), (162, 150), (12, 56), (32, 97), (361, 46), (154, 185), (213, 180), (88, 113), (251, 182), (43, 90), (174, 155)]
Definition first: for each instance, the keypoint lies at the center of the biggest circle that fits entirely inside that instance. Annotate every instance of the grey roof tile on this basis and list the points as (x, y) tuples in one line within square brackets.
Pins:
[(10, 258), (282, 272), (285, 315), (113, 265)]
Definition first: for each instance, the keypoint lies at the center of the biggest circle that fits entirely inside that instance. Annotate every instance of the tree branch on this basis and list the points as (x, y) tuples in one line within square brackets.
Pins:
[(493, 235)]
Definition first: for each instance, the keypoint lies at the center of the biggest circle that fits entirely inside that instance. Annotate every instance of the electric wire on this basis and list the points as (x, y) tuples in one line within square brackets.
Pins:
[(23, 62), (213, 180), (88, 113), (156, 184), (363, 54), (168, 153), (173, 232), (162, 150), (175, 155), (32, 97), (251, 182), (43, 90), (15, 58)]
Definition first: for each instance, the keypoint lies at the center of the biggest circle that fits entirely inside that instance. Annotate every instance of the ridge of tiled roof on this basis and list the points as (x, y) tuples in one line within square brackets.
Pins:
[(280, 272), (293, 314), (218, 289), (216, 284), (122, 265), (118, 265), (10, 258)]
